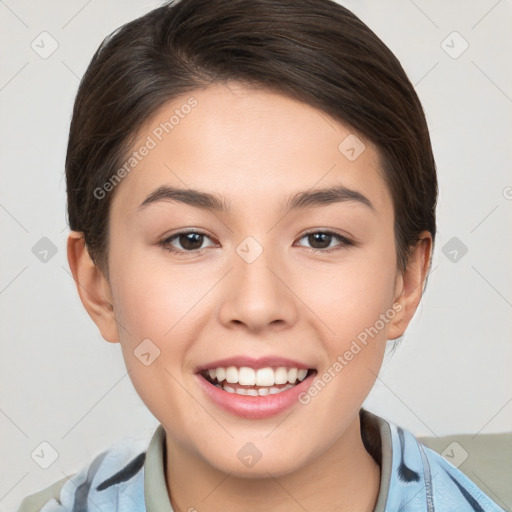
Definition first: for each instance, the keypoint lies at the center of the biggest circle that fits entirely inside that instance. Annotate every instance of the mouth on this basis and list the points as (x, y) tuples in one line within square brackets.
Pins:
[(256, 391), (248, 381)]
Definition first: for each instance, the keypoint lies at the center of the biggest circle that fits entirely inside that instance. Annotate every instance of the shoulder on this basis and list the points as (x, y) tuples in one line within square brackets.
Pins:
[(420, 475), (113, 480), (453, 488), (34, 502)]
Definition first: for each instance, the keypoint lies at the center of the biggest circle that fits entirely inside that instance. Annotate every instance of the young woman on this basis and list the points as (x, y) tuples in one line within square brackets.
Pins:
[(251, 197)]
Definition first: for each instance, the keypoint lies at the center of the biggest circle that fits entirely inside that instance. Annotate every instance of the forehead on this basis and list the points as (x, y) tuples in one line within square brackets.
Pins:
[(247, 145)]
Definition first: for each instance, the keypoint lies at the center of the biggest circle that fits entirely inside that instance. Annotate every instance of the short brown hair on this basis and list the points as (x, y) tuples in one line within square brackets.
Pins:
[(315, 51)]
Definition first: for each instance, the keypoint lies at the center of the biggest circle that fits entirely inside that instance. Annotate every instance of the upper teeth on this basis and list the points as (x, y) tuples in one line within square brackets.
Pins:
[(262, 377)]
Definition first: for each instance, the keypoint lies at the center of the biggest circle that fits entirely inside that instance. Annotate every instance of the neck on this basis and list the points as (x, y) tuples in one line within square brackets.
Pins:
[(344, 478)]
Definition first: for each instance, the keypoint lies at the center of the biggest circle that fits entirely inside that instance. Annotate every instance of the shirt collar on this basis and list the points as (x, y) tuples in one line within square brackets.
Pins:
[(155, 486)]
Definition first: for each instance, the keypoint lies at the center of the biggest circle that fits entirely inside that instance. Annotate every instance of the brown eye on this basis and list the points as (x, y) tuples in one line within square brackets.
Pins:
[(191, 241), (321, 241), (185, 241)]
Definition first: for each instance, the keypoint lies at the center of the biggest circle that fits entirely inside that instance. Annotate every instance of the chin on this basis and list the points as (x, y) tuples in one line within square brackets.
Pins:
[(249, 462)]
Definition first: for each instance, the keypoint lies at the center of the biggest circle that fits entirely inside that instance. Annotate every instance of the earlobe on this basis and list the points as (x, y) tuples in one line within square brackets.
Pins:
[(92, 286), (410, 285)]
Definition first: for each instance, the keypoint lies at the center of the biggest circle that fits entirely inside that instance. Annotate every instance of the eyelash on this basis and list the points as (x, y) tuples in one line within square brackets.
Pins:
[(166, 243)]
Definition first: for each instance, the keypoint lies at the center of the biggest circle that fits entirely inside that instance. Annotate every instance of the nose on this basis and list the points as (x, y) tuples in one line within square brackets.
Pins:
[(257, 295)]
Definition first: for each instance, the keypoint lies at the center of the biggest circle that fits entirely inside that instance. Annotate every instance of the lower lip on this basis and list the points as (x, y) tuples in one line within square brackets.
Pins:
[(255, 407)]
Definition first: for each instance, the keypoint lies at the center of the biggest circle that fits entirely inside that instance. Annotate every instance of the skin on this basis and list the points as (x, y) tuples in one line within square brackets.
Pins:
[(255, 148)]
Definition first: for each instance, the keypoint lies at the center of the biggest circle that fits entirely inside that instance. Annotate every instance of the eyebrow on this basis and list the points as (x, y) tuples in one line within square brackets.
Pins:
[(300, 200)]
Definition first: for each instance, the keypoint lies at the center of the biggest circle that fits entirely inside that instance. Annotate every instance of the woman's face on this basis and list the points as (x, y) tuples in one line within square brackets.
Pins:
[(262, 281)]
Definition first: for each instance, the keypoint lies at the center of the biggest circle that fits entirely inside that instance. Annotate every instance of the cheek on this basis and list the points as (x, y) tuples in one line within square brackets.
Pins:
[(156, 312), (361, 318), (355, 339), (351, 296), (156, 299)]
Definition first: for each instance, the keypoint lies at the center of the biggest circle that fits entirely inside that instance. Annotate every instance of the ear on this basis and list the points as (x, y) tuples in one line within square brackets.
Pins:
[(93, 288), (410, 284)]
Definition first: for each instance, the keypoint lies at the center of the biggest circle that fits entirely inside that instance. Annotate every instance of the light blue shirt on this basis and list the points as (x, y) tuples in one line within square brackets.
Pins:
[(414, 478)]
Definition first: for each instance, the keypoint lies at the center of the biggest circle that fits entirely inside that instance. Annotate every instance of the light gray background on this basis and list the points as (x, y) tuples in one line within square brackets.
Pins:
[(61, 383)]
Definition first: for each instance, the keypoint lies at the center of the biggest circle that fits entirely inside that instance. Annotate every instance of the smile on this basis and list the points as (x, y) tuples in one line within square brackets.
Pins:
[(255, 382), (255, 389)]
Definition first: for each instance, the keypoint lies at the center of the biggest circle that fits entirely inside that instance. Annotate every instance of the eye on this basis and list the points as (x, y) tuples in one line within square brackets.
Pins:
[(190, 241), (324, 239)]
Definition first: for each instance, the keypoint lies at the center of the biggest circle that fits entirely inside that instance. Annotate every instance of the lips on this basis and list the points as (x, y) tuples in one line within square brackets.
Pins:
[(254, 388)]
